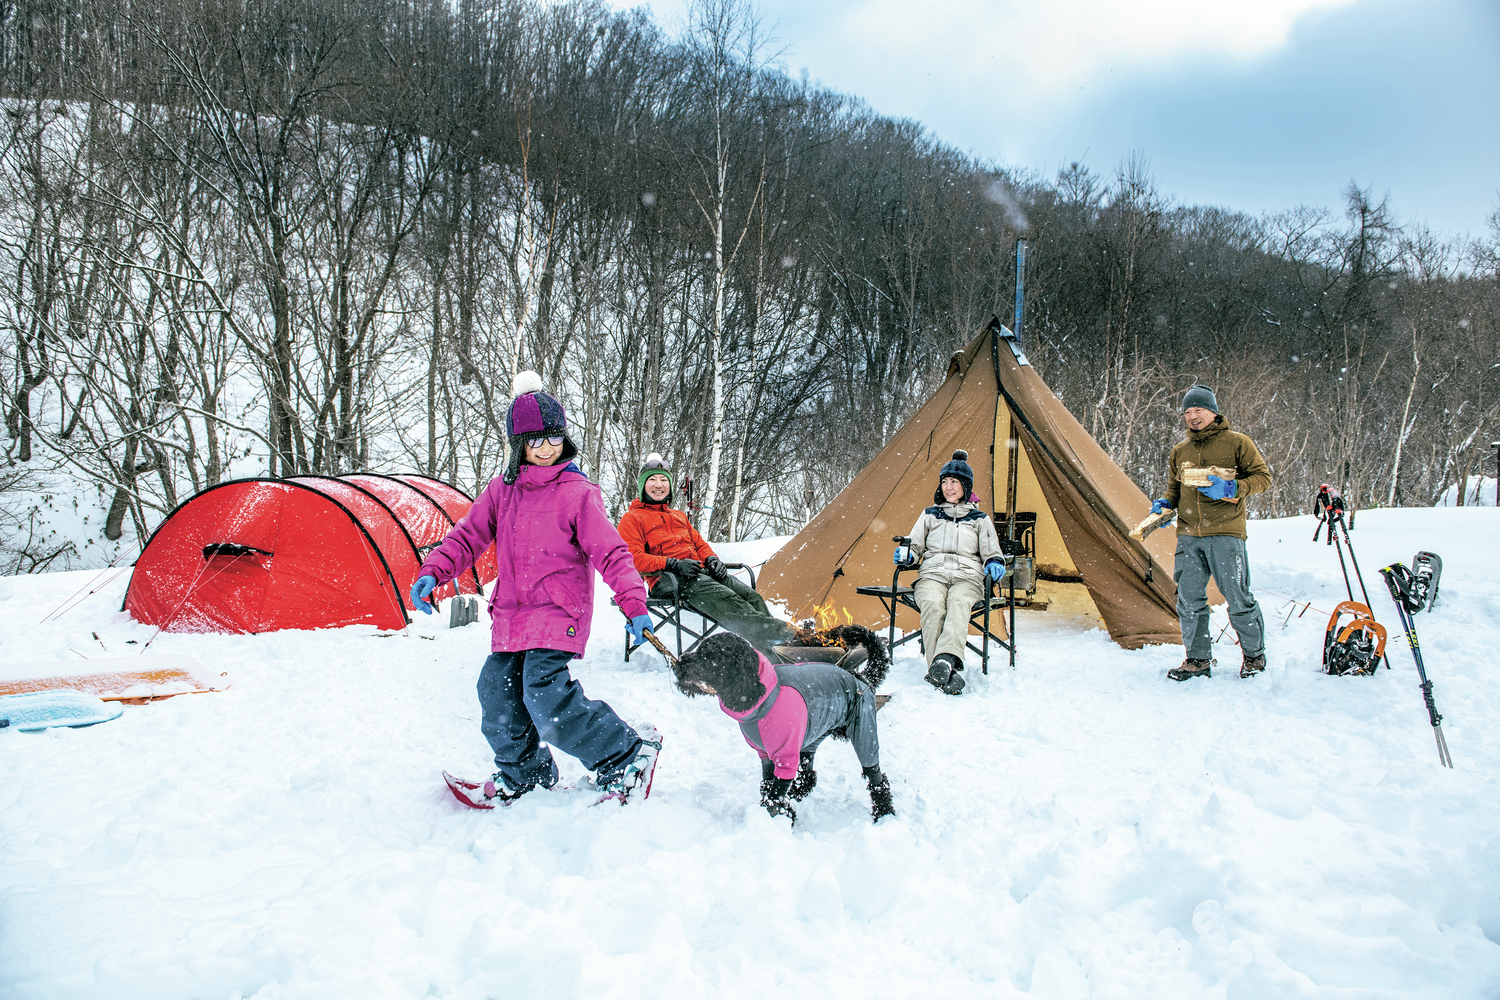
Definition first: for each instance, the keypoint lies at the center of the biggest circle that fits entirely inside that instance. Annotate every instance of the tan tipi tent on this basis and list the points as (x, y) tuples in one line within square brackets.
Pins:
[(1084, 503)]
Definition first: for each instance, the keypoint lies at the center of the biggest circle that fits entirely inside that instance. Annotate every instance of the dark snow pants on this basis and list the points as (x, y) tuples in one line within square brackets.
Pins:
[(1222, 557), (530, 697), (738, 609)]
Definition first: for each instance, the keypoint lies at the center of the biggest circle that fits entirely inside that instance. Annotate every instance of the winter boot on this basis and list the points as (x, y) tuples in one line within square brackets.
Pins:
[(942, 668), (1253, 665), (496, 790), (1193, 668), (806, 779), (637, 774), (880, 793), (955, 683)]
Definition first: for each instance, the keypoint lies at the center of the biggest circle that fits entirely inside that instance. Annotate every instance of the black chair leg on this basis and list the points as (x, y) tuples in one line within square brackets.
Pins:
[(1012, 603), (984, 643)]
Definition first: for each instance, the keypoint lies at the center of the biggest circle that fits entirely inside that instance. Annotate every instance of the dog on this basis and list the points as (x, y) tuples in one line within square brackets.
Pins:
[(785, 711)]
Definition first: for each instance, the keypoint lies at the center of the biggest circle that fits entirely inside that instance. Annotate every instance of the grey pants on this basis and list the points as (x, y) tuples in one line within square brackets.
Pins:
[(945, 616), (1222, 557)]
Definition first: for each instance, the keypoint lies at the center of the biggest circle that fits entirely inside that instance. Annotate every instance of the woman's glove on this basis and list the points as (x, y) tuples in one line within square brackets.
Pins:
[(1220, 489), (687, 569), (714, 567), (419, 591), (994, 569), (902, 556), (1157, 506), (637, 629)]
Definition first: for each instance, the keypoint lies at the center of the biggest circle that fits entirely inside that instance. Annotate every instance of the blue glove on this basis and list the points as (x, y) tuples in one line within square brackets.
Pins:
[(1157, 506), (902, 556), (994, 569), (1220, 489), (419, 591), (637, 629)]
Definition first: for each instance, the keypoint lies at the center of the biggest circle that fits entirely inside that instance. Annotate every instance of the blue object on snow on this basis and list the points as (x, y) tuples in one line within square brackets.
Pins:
[(38, 710)]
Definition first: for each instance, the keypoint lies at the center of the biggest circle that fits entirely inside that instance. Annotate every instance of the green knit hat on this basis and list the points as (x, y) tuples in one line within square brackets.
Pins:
[(654, 466)]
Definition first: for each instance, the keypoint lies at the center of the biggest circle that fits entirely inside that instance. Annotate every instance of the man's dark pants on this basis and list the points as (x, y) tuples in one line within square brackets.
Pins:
[(737, 608)]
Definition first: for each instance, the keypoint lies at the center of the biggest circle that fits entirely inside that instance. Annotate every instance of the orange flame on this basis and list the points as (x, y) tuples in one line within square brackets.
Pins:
[(825, 619)]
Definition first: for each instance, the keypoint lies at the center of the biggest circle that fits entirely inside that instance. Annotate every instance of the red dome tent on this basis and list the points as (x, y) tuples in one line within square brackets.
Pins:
[(257, 555)]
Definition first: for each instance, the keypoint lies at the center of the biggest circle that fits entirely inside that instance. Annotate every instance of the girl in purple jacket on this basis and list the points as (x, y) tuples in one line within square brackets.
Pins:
[(550, 531)]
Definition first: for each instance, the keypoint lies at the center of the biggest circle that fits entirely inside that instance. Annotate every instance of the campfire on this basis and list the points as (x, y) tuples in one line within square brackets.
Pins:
[(827, 639), (824, 628)]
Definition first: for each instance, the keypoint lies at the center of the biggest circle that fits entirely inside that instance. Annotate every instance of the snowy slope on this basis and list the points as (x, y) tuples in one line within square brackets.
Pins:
[(1081, 827)]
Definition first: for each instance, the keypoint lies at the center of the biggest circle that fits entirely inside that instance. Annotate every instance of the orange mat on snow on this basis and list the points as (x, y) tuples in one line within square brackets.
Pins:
[(130, 679)]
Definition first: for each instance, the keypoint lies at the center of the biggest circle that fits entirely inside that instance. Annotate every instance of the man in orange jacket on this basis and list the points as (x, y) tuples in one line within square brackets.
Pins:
[(663, 540)]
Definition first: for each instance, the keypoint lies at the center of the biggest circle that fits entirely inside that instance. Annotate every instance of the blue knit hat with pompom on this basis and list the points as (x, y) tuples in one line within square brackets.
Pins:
[(958, 468)]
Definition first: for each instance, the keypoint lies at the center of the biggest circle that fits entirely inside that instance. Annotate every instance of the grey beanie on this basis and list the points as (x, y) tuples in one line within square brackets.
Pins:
[(1200, 395)]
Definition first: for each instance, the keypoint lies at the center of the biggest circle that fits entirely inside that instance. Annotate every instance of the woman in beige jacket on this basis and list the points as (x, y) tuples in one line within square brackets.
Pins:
[(956, 544)]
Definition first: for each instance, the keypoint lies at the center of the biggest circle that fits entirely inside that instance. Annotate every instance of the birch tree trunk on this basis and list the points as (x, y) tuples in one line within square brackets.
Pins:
[(716, 338), (726, 41), (1406, 422)]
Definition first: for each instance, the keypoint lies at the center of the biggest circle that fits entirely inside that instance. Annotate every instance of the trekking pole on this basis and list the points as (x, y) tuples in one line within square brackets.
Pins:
[(1339, 523), (1398, 581), (1329, 508)]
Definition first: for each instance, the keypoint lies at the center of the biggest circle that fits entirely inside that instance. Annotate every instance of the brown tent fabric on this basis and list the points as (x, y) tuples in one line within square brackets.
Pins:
[(1084, 502)]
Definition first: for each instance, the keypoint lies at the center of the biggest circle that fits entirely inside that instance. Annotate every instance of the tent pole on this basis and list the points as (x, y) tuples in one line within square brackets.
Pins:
[(1013, 461), (1013, 444)]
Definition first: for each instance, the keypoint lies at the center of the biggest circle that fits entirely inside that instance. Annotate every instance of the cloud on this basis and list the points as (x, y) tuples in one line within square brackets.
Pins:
[(1252, 104), (1018, 48), (1027, 51)]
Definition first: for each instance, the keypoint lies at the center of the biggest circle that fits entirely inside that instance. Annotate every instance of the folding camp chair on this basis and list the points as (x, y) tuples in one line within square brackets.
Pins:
[(667, 611), (1020, 559), (896, 596)]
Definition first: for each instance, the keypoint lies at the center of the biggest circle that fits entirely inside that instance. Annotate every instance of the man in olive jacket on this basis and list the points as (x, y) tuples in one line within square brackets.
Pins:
[(1211, 534)]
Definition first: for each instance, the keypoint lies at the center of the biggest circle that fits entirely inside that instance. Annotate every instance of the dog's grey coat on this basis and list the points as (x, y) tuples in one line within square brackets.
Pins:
[(836, 700)]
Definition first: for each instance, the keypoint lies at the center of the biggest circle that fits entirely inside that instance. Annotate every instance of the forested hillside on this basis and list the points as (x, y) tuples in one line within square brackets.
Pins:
[(294, 236)]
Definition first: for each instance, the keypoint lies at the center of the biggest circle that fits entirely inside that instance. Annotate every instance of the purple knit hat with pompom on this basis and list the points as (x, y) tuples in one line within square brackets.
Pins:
[(533, 413)]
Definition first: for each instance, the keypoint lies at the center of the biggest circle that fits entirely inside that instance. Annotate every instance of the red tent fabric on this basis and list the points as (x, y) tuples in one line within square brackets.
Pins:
[(257, 555), (456, 503), (428, 520)]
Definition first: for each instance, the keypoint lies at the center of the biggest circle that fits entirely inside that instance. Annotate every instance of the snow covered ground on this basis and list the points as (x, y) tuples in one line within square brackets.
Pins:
[(1080, 827), (1480, 492)]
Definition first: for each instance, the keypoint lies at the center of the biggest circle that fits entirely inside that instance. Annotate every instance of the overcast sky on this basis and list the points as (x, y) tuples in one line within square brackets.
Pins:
[(1257, 105)]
